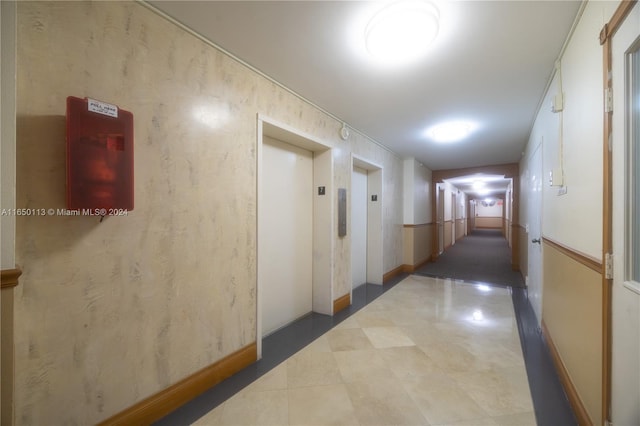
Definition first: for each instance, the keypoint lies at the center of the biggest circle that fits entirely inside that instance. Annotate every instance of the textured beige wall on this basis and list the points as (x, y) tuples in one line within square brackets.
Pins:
[(110, 313), (407, 245), (447, 234), (572, 312), (422, 243), (460, 227), (418, 241)]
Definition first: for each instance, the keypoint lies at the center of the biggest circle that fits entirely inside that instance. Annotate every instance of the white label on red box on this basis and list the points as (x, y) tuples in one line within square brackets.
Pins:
[(102, 108)]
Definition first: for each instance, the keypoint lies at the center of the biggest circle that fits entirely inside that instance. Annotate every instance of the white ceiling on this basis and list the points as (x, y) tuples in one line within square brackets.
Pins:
[(490, 64)]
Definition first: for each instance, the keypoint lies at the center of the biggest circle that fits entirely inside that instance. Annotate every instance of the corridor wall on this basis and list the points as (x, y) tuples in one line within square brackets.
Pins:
[(418, 224), (569, 301), (110, 313)]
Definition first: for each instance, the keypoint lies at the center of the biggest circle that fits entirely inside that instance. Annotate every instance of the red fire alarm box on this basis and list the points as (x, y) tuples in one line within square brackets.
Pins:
[(99, 156)]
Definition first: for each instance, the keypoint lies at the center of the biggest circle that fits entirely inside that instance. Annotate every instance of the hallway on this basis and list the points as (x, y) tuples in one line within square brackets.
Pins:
[(424, 350), (483, 255)]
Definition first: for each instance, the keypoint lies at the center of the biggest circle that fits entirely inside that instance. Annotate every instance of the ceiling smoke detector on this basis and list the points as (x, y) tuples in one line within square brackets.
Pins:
[(344, 132)]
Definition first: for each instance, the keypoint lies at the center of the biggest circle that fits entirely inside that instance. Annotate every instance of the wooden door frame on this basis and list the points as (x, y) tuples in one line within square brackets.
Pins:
[(510, 171)]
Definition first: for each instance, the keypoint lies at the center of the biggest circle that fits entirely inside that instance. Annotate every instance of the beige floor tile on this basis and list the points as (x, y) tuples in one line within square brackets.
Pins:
[(256, 408), (307, 368), (520, 419), (348, 339), (371, 318), (362, 365), (384, 402), (415, 356), (387, 337), (401, 300), (348, 323), (212, 418), (458, 332), (495, 355), (498, 392), (321, 344), (485, 421), (425, 335), (275, 379), (405, 317), (321, 405), (451, 357), (408, 361), (441, 400)]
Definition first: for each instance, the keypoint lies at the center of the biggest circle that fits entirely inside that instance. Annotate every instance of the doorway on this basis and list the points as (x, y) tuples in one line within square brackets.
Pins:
[(454, 218), (359, 179), (625, 211), (439, 178), (287, 219), (366, 222), (440, 218), (534, 244), (295, 227)]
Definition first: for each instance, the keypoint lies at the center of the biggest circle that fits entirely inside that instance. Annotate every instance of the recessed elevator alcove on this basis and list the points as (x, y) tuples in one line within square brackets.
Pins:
[(294, 227)]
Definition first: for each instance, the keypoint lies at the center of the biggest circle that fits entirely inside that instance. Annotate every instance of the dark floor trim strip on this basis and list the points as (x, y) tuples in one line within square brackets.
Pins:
[(550, 401), (572, 393)]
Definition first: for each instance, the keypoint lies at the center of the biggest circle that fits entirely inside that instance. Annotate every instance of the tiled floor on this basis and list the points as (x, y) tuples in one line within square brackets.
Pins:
[(427, 352)]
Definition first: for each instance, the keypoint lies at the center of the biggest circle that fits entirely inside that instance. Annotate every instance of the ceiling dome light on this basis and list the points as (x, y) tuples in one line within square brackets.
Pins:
[(450, 131), (478, 184), (402, 31)]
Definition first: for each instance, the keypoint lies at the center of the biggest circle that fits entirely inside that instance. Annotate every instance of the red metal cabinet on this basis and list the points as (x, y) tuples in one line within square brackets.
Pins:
[(99, 156)]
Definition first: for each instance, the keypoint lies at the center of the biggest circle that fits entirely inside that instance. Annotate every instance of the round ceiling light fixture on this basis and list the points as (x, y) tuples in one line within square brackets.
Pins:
[(402, 31), (478, 184), (451, 131)]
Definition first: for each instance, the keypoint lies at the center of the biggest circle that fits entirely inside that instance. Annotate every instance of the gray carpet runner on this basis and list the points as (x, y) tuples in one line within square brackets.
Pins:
[(483, 255)]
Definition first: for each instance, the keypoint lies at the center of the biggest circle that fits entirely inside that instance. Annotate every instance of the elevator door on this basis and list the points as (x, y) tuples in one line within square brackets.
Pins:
[(285, 232), (359, 180)]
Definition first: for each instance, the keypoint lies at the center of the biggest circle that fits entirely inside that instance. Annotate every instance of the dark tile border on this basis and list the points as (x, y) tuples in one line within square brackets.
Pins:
[(550, 401)]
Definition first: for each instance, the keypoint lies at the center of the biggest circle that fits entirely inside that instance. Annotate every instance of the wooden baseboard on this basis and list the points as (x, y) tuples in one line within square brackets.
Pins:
[(409, 269), (574, 398), (164, 402), (392, 273), (341, 303), (9, 277)]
